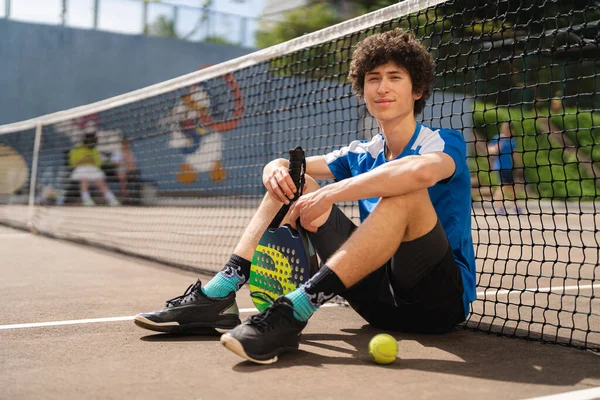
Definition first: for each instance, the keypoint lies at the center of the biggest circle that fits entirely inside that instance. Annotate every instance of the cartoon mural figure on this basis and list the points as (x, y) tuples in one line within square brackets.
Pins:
[(198, 134)]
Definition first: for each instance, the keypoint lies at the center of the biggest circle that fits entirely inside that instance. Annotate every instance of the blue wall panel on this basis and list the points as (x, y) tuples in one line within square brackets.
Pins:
[(45, 68)]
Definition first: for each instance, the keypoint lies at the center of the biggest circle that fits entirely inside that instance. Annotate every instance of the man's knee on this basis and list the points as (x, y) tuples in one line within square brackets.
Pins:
[(415, 198), (310, 186), (414, 209)]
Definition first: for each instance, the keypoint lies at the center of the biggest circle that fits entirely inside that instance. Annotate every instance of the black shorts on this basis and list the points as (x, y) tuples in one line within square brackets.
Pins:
[(418, 290), (506, 177)]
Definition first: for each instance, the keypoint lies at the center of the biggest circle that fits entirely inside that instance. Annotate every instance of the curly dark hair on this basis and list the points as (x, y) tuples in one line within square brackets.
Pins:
[(400, 47)]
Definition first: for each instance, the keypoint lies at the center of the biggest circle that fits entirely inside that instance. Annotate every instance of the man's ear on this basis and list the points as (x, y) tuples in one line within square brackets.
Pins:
[(417, 95)]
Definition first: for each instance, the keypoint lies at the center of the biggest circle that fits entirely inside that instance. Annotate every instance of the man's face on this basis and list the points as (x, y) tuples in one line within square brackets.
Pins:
[(388, 92)]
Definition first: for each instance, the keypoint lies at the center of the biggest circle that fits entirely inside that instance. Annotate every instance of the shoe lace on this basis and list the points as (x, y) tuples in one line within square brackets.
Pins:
[(267, 319), (188, 295)]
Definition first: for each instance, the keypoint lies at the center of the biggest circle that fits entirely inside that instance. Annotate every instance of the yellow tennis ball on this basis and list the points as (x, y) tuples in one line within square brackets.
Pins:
[(383, 348)]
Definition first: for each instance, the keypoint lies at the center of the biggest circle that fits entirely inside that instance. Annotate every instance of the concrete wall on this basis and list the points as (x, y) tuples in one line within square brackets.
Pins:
[(45, 68)]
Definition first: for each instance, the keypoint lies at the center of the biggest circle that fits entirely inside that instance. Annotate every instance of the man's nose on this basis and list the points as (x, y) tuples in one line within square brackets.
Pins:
[(383, 87)]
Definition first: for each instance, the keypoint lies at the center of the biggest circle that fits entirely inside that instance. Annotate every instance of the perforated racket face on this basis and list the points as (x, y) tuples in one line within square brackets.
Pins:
[(279, 265)]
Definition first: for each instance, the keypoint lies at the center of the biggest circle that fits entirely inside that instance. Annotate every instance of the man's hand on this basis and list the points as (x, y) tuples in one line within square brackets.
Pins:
[(311, 206), (278, 181)]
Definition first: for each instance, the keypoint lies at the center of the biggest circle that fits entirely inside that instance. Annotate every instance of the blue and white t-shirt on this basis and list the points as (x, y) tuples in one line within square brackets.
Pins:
[(451, 197)]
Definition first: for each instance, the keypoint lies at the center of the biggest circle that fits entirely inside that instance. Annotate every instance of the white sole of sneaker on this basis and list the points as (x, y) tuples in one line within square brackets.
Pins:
[(145, 323), (148, 322), (236, 347), (165, 326)]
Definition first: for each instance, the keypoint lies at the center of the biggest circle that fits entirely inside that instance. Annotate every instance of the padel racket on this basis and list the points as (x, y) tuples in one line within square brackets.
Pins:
[(284, 258)]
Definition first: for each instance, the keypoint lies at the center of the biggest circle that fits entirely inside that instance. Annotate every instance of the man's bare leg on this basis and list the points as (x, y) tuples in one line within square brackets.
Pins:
[(262, 218), (237, 270), (394, 220)]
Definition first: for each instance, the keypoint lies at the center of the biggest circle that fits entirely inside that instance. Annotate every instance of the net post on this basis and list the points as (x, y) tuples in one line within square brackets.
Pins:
[(33, 179)]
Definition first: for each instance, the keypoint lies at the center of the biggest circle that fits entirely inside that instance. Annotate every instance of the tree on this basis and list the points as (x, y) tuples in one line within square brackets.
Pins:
[(162, 26), (366, 6), (218, 40), (297, 23)]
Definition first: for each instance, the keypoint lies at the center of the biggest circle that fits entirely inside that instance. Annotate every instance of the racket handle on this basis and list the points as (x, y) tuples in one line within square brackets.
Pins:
[(297, 163), (296, 170)]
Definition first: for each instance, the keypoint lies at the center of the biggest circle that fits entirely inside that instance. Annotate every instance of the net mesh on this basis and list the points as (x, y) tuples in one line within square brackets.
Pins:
[(189, 176)]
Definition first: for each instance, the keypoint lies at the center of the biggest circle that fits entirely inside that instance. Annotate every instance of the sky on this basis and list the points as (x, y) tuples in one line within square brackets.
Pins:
[(125, 16)]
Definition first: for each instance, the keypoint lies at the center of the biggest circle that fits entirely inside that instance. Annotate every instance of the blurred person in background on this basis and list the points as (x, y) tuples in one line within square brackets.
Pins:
[(124, 161), (502, 148), (87, 163)]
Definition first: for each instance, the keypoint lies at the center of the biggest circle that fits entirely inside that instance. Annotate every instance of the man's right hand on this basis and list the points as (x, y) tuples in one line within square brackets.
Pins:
[(278, 181)]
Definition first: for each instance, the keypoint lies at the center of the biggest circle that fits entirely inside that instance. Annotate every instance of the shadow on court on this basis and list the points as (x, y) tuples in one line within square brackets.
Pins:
[(476, 355), (461, 352)]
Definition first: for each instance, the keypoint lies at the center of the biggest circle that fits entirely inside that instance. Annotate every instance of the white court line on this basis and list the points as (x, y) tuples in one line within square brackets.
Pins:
[(95, 320), (58, 323), (249, 310), (557, 289), (585, 394), (14, 235)]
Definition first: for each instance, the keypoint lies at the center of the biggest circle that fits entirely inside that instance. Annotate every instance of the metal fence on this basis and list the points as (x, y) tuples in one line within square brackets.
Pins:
[(148, 17)]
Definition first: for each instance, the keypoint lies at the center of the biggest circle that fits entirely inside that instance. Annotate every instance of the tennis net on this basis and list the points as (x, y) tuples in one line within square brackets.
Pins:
[(184, 157)]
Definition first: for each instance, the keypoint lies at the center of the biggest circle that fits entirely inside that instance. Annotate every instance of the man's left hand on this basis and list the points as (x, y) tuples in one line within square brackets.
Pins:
[(309, 207)]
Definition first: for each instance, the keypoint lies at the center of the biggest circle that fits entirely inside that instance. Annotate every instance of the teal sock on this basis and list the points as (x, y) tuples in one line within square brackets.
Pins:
[(230, 279), (302, 305), (220, 286)]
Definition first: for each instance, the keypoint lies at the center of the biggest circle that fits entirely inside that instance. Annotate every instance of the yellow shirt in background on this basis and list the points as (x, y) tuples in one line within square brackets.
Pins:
[(79, 153)]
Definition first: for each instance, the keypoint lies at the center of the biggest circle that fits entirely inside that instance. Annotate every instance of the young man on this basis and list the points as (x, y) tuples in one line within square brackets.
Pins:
[(408, 267)]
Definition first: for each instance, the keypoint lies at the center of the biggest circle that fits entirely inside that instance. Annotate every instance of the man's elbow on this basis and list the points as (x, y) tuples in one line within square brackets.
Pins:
[(421, 177), (428, 179), (428, 175)]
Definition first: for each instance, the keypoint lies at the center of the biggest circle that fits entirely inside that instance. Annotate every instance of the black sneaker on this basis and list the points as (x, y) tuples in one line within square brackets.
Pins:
[(193, 312), (263, 337)]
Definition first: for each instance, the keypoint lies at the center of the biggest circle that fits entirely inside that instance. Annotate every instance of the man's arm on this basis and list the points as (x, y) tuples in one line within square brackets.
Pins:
[(394, 178)]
